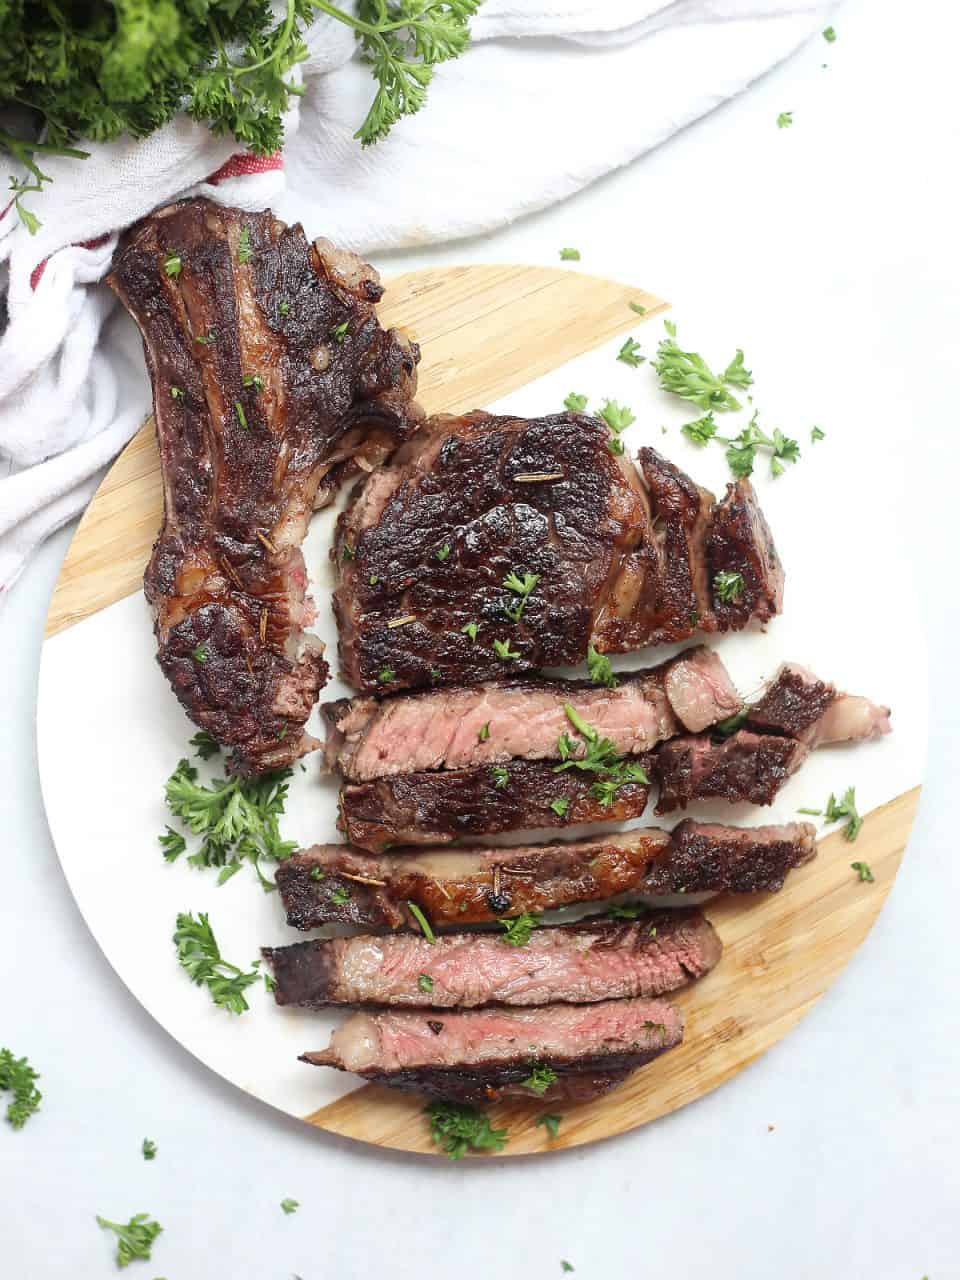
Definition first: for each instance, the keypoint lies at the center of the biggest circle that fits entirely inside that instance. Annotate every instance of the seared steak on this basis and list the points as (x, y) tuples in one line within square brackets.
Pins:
[(480, 884), (271, 380), (573, 964), (797, 703), (440, 806), (747, 766), (427, 546), (523, 718), (471, 1056)]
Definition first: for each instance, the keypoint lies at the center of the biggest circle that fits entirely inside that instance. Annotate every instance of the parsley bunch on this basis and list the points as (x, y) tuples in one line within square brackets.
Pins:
[(102, 69)]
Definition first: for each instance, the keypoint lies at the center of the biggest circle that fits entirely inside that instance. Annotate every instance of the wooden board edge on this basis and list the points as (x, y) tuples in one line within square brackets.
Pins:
[(388, 1118)]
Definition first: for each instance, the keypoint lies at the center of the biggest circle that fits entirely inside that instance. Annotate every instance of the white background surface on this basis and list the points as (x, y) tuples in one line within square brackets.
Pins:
[(840, 236)]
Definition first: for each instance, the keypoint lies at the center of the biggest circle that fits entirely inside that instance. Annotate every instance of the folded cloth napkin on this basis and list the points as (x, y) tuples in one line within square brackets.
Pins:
[(551, 95)]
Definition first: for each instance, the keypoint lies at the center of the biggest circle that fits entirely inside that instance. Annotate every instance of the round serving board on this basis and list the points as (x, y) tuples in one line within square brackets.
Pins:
[(486, 332)]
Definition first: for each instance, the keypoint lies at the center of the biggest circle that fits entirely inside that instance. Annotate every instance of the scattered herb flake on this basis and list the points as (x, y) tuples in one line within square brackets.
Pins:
[(386, 674), (501, 776), (601, 672), (205, 339), (317, 873), (253, 380), (373, 579), (149, 1149), (289, 1206), (134, 1238), (341, 895), (199, 654), (502, 649), (422, 921), (576, 403), (244, 252), (283, 307), (484, 732), (600, 756), (205, 745), (724, 728), (470, 630), (735, 374), (626, 911), (172, 264), (519, 928), (728, 586), (570, 255), (784, 119), (241, 416), (560, 806), (458, 1128), (629, 354), (17, 1077), (176, 393), (199, 954), (829, 34), (540, 1079), (520, 587), (443, 552), (816, 433), (701, 430), (863, 871), (172, 843), (565, 1265), (340, 331), (638, 307), (425, 983), (551, 1122)]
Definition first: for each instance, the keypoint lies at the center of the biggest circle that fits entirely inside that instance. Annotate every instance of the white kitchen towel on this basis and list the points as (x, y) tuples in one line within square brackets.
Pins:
[(551, 95)]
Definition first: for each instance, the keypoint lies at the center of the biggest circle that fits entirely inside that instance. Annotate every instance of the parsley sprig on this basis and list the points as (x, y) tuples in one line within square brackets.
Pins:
[(457, 1128), (600, 756), (199, 954), (686, 374), (238, 818), (134, 1238), (17, 1077)]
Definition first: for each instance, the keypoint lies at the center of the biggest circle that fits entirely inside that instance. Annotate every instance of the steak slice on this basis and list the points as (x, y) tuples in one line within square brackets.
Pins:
[(335, 884), (465, 1055), (272, 380), (426, 544), (747, 766), (425, 549), (523, 718), (739, 541), (438, 807), (797, 703), (573, 964)]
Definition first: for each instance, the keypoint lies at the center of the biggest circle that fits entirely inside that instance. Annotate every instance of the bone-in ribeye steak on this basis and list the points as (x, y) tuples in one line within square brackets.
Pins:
[(573, 964), (474, 1056), (272, 379), (623, 559), (336, 884)]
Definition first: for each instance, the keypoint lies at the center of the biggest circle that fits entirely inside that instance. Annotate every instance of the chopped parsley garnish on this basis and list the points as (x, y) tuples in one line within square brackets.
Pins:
[(253, 380), (600, 669), (317, 873), (17, 1077), (283, 307), (638, 307), (237, 818), (540, 1079), (269, 983), (484, 732), (502, 649), (346, 551), (629, 354), (134, 1238), (724, 728), (837, 810), (470, 630), (422, 921), (373, 579), (173, 844), (149, 1149), (501, 776), (742, 449), (626, 911), (443, 552), (341, 895), (600, 756), (172, 264), (701, 429), (735, 375), (570, 255), (386, 674), (340, 331), (816, 433), (241, 416), (289, 1206), (199, 954), (565, 1265), (176, 393), (560, 806), (617, 416), (550, 1122), (863, 871), (728, 586), (784, 119), (425, 983), (829, 34), (521, 587), (686, 374), (576, 403), (205, 339), (244, 252), (458, 1128), (517, 930), (199, 654), (206, 745)]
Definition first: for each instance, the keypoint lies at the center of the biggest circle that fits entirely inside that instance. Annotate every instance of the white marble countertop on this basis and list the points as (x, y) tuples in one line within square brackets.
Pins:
[(842, 232)]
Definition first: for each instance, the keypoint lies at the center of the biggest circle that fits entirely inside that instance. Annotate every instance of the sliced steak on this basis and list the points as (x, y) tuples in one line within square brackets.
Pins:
[(466, 1055), (739, 541), (271, 378), (427, 545), (438, 807), (572, 964), (797, 703), (480, 884), (747, 767), (523, 718)]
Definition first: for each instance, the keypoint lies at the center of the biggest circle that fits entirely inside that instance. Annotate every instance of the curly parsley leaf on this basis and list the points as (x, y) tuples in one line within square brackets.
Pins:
[(599, 756), (199, 955), (458, 1128), (576, 403), (701, 430), (686, 374), (17, 1077), (540, 1079), (502, 649), (569, 255), (601, 672), (134, 1238), (629, 354)]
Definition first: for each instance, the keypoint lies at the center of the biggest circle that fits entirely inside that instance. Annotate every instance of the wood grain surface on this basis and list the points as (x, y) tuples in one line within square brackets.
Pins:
[(485, 331)]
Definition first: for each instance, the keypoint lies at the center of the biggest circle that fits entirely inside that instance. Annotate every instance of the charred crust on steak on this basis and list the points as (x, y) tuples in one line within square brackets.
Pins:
[(259, 413)]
